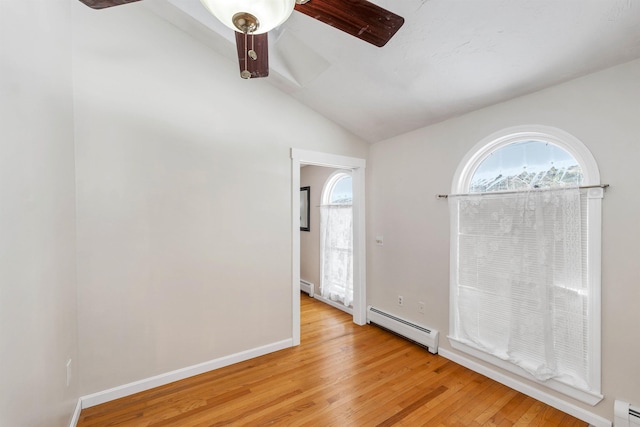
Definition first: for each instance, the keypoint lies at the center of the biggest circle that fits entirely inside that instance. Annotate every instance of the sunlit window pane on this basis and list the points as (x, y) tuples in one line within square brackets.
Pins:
[(526, 165), (342, 192)]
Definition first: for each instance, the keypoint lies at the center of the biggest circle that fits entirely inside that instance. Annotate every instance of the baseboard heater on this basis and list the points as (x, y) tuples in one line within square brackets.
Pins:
[(419, 334), (626, 414), (307, 287)]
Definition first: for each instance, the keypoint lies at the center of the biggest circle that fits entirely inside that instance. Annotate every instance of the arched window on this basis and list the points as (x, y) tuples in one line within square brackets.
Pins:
[(336, 239), (338, 189), (525, 254)]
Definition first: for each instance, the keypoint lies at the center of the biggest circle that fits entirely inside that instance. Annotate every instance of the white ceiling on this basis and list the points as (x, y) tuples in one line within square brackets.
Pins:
[(450, 57)]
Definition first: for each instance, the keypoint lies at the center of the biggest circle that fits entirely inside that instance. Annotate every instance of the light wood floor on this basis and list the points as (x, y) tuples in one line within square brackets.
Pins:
[(341, 375)]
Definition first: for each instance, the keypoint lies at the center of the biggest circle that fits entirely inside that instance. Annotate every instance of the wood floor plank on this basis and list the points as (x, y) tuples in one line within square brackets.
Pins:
[(456, 398), (474, 409), (341, 375), (494, 403)]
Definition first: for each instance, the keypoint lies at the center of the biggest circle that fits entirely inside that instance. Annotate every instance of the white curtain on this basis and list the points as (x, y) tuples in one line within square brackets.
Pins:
[(519, 282), (336, 252)]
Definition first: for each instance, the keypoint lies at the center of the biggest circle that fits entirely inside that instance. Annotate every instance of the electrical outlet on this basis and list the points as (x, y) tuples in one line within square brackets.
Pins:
[(400, 300), (68, 372), (421, 307)]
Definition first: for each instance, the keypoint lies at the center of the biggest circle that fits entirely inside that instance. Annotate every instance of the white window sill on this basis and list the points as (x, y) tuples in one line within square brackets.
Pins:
[(586, 396)]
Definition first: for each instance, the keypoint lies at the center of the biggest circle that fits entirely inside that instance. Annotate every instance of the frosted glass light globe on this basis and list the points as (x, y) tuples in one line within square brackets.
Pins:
[(269, 13)]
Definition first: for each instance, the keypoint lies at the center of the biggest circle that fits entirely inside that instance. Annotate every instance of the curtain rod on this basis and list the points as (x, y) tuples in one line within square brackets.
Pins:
[(446, 196)]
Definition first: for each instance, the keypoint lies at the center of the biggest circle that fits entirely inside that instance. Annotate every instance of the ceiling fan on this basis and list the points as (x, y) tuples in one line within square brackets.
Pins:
[(252, 19)]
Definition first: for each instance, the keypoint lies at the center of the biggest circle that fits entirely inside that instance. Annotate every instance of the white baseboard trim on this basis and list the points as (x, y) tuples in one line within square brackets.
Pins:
[(560, 404), (75, 417), (179, 374)]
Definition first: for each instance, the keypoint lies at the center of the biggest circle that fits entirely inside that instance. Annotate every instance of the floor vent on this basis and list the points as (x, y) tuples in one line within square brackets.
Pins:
[(307, 287), (412, 331), (626, 414)]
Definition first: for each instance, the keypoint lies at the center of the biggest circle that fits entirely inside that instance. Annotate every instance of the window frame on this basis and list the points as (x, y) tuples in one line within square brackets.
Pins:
[(571, 144), (326, 196), (330, 185), (591, 177)]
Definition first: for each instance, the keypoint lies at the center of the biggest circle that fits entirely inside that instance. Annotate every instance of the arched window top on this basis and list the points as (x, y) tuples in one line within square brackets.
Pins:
[(524, 165), (526, 157), (338, 189)]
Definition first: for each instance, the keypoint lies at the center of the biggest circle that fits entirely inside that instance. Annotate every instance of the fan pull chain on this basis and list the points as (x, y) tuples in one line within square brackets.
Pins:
[(245, 74), (252, 53)]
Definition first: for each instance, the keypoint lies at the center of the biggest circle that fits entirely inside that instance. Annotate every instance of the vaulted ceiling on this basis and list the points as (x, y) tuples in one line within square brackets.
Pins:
[(449, 58)]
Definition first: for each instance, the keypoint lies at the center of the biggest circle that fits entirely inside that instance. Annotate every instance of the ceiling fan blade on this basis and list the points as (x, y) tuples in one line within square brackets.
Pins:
[(259, 44), (360, 18), (102, 4)]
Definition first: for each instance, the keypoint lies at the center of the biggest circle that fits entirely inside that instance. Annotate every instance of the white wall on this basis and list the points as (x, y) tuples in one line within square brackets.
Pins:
[(37, 215), (406, 172), (184, 210)]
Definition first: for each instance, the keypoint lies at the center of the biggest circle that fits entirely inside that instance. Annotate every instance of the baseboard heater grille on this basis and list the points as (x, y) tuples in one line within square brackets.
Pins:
[(626, 414), (419, 334), (307, 287)]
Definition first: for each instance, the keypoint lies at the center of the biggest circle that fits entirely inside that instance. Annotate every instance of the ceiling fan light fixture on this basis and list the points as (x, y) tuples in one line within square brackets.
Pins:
[(268, 14)]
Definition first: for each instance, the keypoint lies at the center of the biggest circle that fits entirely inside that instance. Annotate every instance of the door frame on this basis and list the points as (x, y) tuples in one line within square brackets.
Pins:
[(357, 166)]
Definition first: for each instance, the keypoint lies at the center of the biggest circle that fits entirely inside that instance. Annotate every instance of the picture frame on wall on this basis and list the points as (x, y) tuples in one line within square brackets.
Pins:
[(304, 208)]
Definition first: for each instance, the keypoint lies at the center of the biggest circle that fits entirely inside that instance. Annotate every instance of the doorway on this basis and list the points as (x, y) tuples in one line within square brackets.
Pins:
[(357, 168), (326, 247)]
